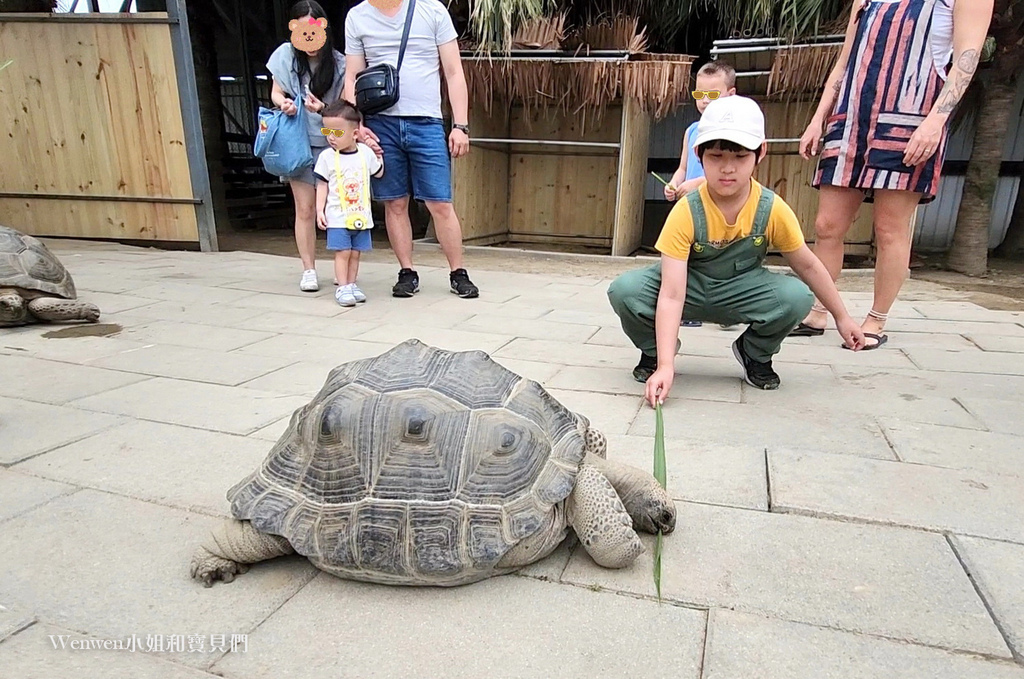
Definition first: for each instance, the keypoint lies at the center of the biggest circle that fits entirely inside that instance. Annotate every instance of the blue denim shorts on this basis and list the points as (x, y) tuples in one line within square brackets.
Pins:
[(415, 158), (349, 239)]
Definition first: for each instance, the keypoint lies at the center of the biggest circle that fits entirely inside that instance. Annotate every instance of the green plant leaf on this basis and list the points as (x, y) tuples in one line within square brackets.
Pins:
[(9, 62), (659, 474)]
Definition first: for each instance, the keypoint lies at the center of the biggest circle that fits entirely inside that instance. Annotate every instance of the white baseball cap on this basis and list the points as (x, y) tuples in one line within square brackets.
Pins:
[(736, 119)]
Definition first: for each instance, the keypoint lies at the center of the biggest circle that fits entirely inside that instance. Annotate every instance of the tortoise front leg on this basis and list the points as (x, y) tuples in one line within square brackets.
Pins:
[(600, 520), (55, 309), (12, 308), (231, 547)]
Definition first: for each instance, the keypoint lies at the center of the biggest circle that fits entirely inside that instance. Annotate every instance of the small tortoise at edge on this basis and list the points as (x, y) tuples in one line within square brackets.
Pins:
[(34, 285), (430, 467)]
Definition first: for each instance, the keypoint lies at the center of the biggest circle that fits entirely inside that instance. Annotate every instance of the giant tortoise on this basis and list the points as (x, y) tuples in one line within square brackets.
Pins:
[(430, 467), (34, 285)]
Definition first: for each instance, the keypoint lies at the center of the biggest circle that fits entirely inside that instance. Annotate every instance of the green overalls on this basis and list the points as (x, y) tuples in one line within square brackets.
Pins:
[(727, 285)]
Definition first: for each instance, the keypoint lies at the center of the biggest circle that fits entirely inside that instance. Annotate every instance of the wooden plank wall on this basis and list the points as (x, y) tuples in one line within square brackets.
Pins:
[(563, 195), (93, 110), (629, 218), (480, 181)]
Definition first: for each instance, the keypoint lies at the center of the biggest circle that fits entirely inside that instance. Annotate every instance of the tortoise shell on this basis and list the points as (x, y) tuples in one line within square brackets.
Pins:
[(26, 263), (418, 466)]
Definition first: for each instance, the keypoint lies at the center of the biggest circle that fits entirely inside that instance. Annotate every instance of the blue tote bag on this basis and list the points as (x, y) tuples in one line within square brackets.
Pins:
[(282, 142)]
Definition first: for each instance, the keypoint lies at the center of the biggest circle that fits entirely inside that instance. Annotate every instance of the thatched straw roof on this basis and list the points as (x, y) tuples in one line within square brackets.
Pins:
[(801, 70)]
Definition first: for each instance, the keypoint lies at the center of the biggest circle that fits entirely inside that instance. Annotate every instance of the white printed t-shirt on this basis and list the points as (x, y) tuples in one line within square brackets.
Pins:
[(347, 176)]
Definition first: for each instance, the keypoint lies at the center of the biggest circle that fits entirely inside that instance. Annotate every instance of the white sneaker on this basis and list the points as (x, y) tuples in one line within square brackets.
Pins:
[(309, 282), (344, 296), (357, 293)]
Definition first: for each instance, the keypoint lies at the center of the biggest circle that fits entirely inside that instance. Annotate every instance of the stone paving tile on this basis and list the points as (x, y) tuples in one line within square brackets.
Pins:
[(80, 350), (521, 310), (550, 568), (956, 448), (968, 361), (923, 382), (21, 492), (189, 363), (272, 432), (300, 379), (436, 315), (602, 319), (898, 583), (220, 315), (27, 428), (742, 646), (901, 325), (698, 378), (998, 570), (999, 343), (338, 327), (543, 373), (167, 464), (610, 336), (466, 632), (112, 304), (834, 354), (534, 329), (947, 310), (328, 352), (761, 426), (193, 335), (442, 338), (961, 501), (734, 476), (322, 305), (198, 294), (233, 410), (1000, 415), (112, 566), (34, 379), (566, 354), (610, 414), (31, 655), (12, 621)]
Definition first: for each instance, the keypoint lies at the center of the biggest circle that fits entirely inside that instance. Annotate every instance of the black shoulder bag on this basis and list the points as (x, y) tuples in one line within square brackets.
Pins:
[(377, 86)]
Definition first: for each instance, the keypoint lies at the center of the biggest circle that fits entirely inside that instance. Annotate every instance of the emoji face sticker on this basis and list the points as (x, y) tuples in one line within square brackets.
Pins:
[(758, 241), (308, 35)]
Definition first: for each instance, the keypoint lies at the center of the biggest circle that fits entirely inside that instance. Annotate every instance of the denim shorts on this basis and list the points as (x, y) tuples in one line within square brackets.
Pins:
[(415, 158), (305, 175), (349, 239)]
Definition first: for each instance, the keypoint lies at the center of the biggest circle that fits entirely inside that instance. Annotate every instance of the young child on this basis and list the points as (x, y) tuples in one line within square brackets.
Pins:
[(712, 248), (715, 80), (343, 174)]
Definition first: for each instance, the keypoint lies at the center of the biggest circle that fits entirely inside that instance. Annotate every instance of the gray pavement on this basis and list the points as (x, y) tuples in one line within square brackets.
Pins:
[(865, 521)]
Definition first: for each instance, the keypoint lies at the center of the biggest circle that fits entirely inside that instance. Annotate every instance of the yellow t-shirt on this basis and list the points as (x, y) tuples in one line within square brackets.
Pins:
[(783, 230)]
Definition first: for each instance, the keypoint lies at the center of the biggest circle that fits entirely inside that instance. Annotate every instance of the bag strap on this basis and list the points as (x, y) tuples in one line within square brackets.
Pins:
[(405, 33)]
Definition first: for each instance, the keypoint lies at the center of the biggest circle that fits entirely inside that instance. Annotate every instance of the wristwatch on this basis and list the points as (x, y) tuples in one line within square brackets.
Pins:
[(464, 128)]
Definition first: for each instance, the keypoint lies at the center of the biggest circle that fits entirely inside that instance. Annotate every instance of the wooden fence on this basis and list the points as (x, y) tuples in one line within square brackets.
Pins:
[(98, 144)]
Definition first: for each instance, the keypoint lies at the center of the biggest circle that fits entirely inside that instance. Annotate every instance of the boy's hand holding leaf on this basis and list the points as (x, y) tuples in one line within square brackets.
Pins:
[(658, 386)]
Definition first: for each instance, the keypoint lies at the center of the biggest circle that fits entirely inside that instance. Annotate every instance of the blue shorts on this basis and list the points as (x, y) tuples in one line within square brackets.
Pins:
[(349, 239), (415, 158)]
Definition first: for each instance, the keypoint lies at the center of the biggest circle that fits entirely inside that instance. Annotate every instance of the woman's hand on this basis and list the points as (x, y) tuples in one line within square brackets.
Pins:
[(289, 107), (924, 142), (313, 105), (458, 143), (811, 139), (658, 385)]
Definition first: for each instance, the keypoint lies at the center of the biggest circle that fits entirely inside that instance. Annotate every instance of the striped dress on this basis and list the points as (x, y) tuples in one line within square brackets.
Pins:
[(890, 86)]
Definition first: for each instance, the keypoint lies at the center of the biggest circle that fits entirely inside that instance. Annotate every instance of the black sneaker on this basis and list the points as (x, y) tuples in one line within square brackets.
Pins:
[(462, 286), (645, 368), (408, 284), (755, 373)]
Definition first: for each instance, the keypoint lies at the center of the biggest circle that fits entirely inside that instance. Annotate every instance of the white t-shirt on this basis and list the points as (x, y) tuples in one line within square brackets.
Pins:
[(941, 35), (378, 38), (348, 186)]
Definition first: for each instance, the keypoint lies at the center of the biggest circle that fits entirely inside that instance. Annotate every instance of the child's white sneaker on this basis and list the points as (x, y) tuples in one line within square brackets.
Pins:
[(344, 295), (309, 282), (357, 293)]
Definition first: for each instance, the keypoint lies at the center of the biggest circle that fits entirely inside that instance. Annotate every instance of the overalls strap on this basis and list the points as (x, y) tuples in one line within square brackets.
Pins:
[(764, 211), (700, 218)]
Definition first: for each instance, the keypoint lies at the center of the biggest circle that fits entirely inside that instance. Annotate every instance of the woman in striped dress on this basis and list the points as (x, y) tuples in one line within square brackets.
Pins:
[(883, 118)]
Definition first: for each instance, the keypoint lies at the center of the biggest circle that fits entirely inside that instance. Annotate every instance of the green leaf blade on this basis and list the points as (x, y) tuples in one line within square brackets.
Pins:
[(659, 447)]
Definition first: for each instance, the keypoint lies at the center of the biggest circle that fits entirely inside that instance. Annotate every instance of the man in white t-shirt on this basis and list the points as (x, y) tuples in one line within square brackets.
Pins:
[(411, 133)]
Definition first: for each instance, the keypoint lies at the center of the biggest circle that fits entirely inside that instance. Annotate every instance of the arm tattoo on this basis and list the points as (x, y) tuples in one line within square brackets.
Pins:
[(959, 79), (838, 85)]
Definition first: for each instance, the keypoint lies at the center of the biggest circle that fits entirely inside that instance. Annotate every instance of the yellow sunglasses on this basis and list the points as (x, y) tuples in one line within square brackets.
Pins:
[(711, 94), (326, 131)]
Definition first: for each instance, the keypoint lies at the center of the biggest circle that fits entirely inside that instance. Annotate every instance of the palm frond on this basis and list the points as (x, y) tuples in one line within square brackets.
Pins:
[(660, 474)]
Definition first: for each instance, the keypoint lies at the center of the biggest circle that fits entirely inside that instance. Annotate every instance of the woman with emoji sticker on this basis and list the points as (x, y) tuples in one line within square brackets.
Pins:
[(307, 71)]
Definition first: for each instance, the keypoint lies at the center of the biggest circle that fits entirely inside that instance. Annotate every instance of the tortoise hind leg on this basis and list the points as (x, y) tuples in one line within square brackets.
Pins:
[(55, 309), (600, 520), (12, 308), (230, 549)]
